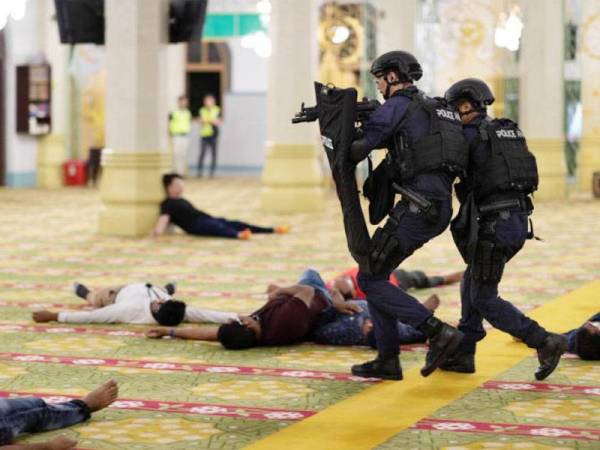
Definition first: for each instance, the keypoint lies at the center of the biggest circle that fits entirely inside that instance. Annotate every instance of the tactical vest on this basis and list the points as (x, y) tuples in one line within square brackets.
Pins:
[(444, 148), (511, 166)]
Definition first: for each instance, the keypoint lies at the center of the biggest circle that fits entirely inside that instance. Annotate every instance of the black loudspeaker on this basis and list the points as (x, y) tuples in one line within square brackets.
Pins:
[(80, 21), (186, 20)]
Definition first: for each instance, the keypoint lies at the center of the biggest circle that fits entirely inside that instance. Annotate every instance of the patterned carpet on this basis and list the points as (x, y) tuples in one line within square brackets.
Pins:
[(182, 395)]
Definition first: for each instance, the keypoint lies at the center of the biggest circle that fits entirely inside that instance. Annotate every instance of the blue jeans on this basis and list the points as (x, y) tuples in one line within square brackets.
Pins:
[(480, 300), (30, 415), (312, 278), (347, 329)]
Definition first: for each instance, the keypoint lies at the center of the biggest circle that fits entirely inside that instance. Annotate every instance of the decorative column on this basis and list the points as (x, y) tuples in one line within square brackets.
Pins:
[(589, 158), (52, 149), (292, 179), (464, 42), (136, 116), (541, 93), (396, 28)]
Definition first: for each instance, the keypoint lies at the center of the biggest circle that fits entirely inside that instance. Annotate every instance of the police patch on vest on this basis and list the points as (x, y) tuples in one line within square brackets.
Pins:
[(447, 114), (504, 133), (327, 142)]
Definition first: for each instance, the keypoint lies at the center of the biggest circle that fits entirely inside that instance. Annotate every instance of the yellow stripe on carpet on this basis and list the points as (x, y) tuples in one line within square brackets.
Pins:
[(378, 413)]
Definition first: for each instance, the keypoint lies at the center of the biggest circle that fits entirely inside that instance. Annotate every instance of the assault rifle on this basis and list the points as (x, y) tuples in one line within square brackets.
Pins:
[(363, 109)]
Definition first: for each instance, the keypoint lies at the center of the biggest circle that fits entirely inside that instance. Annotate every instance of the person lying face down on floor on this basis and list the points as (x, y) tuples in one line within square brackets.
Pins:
[(179, 211), (135, 303), (289, 317), (585, 340), (34, 415), (297, 314)]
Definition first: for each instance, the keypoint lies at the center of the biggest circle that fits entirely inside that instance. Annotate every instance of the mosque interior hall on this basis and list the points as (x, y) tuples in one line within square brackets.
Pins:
[(189, 259)]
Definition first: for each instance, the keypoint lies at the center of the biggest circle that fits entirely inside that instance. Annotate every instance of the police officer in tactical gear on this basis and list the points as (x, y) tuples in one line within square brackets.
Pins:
[(492, 227), (412, 127)]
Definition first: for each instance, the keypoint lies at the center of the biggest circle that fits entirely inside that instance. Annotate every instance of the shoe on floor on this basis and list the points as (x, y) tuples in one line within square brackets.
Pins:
[(441, 345), (80, 290), (461, 362), (549, 354), (386, 369), (171, 288)]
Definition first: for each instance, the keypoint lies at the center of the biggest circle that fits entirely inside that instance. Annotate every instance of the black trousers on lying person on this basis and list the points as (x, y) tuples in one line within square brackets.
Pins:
[(218, 226)]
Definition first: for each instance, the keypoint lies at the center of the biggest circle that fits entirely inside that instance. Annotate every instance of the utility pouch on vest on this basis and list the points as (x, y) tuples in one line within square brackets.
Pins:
[(465, 229), (489, 261), (378, 189)]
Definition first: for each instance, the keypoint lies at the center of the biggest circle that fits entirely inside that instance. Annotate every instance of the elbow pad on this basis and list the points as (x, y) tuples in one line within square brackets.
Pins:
[(359, 150)]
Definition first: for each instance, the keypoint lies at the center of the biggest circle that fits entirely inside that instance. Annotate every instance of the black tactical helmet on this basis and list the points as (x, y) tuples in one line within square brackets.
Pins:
[(472, 89), (405, 63)]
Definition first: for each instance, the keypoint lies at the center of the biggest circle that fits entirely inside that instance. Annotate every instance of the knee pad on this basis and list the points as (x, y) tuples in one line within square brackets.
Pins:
[(384, 247), (489, 261)]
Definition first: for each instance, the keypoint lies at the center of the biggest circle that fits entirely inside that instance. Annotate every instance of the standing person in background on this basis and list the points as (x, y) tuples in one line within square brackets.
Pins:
[(180, 122), (210, 120)]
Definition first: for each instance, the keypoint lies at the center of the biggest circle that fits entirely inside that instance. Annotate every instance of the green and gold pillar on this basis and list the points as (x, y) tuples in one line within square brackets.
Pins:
[(541, 93), (52, 149), (589, 157), (136, 116), (292, 178)]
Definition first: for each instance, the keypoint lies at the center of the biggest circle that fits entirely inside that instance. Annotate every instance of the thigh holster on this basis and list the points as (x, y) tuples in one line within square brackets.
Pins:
[(384, 250), (489, 261)]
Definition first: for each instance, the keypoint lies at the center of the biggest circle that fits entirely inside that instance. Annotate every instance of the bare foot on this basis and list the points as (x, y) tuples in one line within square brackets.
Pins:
[(245, 234), (102, 396), (453, 278), (283, 229), (62, 443), (432, 303)]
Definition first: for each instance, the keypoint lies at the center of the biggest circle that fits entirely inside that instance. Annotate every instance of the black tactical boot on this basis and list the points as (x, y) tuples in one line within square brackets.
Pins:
[(549, 354), (443, 342), (461, 361), (386, 369)]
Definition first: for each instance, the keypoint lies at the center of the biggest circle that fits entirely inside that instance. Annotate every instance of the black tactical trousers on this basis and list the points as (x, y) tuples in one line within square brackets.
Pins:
[(480, 299), (387, 303)]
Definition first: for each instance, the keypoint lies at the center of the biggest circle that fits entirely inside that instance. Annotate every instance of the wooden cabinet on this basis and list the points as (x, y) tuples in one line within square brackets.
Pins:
[(34, 96)]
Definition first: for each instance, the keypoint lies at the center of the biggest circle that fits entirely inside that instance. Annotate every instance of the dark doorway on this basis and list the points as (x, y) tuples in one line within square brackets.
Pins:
[(200, 84), (2, 110)]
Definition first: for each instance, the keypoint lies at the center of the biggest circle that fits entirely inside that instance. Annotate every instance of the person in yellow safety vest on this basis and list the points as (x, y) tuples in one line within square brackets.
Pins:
[(210, 120), (180, 122)]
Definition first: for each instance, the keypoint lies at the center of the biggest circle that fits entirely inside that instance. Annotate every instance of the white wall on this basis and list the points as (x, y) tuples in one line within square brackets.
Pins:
[(244, 130), (248, 70), (22, 47)]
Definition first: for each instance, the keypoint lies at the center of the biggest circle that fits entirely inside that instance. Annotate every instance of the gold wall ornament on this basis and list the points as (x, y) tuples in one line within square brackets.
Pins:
[(346, 45), (471, 32), (591, 36)]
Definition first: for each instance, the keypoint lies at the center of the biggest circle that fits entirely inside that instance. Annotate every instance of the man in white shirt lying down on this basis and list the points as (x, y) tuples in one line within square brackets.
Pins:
[(136, 303)]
